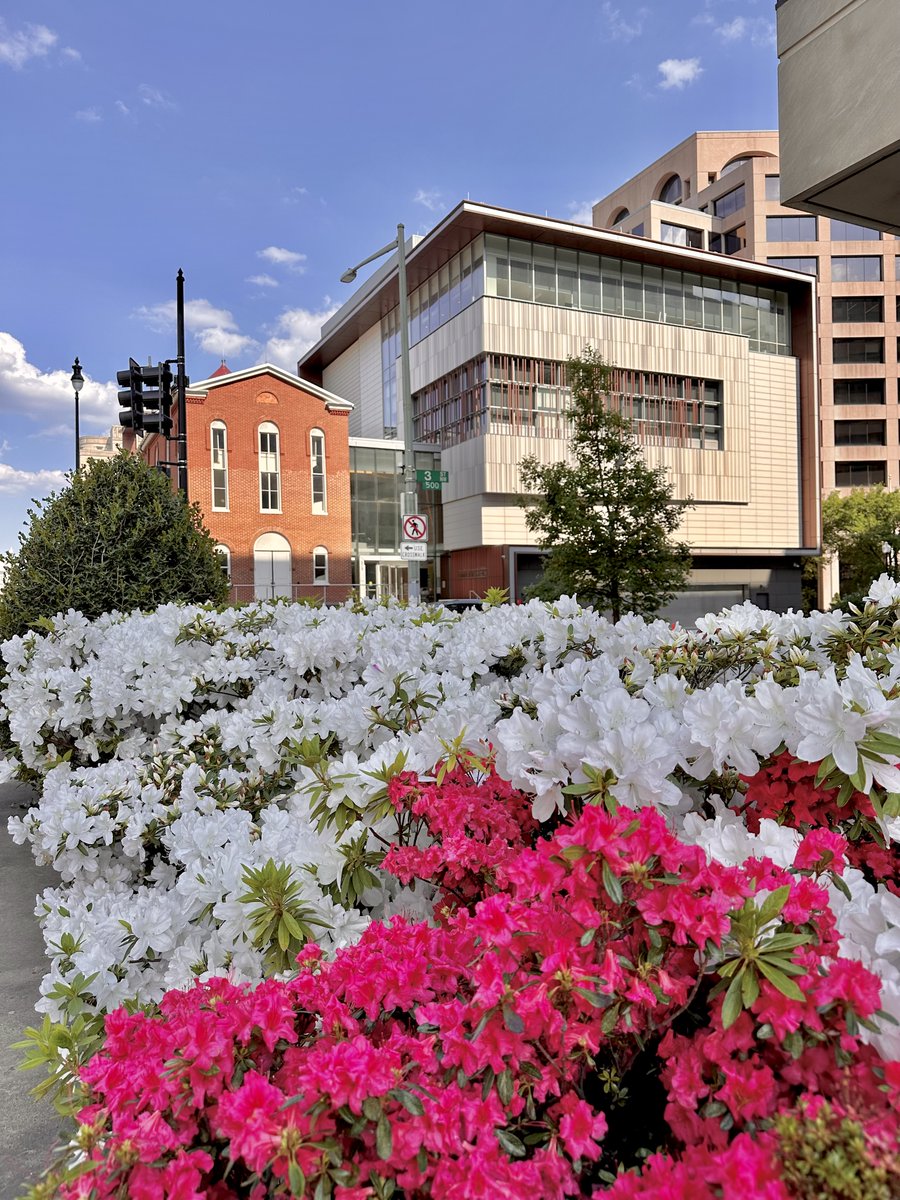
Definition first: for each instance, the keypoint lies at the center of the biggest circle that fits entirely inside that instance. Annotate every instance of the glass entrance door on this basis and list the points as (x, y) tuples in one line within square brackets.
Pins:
[(392, 580)]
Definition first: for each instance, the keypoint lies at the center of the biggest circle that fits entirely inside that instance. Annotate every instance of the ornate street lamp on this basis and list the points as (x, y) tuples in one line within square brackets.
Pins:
[(77, 385)]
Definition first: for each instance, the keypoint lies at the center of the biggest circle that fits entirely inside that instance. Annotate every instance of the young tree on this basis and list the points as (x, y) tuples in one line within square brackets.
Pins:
[(117, 537), (606, 522), (863, 528)]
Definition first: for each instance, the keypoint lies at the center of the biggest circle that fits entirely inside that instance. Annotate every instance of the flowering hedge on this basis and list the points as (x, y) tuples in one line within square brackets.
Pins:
[(659, 866), (573, 1005)]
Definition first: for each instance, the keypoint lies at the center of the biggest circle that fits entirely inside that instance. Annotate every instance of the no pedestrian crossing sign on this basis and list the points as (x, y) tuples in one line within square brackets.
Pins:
[(413, 550), (414, 528)]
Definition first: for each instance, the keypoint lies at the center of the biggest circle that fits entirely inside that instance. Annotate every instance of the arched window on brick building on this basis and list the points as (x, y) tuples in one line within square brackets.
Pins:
[(317, 470), (269, 469)]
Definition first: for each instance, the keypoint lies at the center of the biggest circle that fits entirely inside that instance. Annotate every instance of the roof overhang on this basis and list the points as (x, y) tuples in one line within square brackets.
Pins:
[(380, 294)]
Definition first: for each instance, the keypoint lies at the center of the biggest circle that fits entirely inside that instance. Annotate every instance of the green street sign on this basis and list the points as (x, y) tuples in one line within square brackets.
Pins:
[(431, 480)]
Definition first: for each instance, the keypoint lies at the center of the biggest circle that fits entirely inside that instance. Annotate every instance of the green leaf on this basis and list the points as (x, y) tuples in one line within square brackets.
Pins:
[(513, 1146), (773, 904), (749, 988), (778, 979), (296, 1179), (612, 884), (731, 1006), (410, 1101), (384, 1141), (512, 1020), (505, 1085), (598, 999)]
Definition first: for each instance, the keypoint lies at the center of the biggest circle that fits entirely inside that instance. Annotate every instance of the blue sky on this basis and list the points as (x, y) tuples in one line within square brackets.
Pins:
[(264, 148)]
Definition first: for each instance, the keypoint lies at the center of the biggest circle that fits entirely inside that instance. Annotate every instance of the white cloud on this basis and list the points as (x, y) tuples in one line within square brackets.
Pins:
[(679, 72), (760, 30), (215, 329), (283, 258), (732, 31), (71, 53), (154, 98), (33, 483), (122, 107), (46, 396), (262, 281), (580, 211), (34, 41), (297, 329), (432, 200), (223, 342), (623, 29), (295, 195), (90, 116)]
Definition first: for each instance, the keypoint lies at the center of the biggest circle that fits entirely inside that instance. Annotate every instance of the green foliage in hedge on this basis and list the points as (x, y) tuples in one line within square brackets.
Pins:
[(117, 537)]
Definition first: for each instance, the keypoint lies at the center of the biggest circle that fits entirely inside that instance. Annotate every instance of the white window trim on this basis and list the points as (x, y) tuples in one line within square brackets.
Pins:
[(319, 509), (269, 427), (225, 553), (212, 467), (317, 551)]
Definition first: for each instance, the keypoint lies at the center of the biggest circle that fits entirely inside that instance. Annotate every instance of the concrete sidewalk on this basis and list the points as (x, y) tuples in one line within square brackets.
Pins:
[(28, 1129)]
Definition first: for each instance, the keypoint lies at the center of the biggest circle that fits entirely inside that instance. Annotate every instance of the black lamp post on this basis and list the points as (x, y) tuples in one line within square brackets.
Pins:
[(77, 385)]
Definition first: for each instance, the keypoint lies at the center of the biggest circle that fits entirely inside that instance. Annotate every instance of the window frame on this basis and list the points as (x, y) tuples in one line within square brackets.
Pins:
[(215, 468), (849, 302), (789, 226), (318, 473), (224, 553), (837, 276), (851, 384), (864, 343), (868, 431), (320, 572), (269, 429), (849, 466)]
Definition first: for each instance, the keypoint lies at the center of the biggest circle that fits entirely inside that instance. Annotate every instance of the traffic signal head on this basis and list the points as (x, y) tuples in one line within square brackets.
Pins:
[(131, 384)]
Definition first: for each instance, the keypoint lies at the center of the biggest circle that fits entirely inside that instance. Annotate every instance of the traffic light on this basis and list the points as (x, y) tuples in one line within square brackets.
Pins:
[(151, 416), (165, 398), (131, 384), (149, 395)]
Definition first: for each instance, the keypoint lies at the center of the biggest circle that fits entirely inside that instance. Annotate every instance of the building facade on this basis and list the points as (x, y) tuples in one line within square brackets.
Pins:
[(722, 190), (714, 361), (269, 465), (839, 62)]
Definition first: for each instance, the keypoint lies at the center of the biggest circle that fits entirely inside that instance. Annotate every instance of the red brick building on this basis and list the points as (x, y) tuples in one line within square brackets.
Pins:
[(269, 465)]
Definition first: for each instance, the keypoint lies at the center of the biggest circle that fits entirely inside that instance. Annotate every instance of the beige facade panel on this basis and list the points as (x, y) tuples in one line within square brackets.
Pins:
[(356, 376), (462, 522), (459, 340), (537, 331), (698, 162), (840, 140)]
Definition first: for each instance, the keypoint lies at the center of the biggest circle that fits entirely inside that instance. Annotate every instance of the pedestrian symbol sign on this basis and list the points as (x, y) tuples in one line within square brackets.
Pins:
[(414, 528)]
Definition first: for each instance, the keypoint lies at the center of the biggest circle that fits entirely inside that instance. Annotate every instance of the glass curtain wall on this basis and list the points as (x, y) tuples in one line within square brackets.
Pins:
[(518, 270), (376, 484)]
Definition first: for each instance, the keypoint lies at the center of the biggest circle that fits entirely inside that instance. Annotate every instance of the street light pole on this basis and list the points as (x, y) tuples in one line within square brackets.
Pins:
[(77, 385), (410, 504)]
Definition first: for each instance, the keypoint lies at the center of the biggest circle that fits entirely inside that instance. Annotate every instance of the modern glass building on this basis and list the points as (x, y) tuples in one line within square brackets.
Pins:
[(714, 361)]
